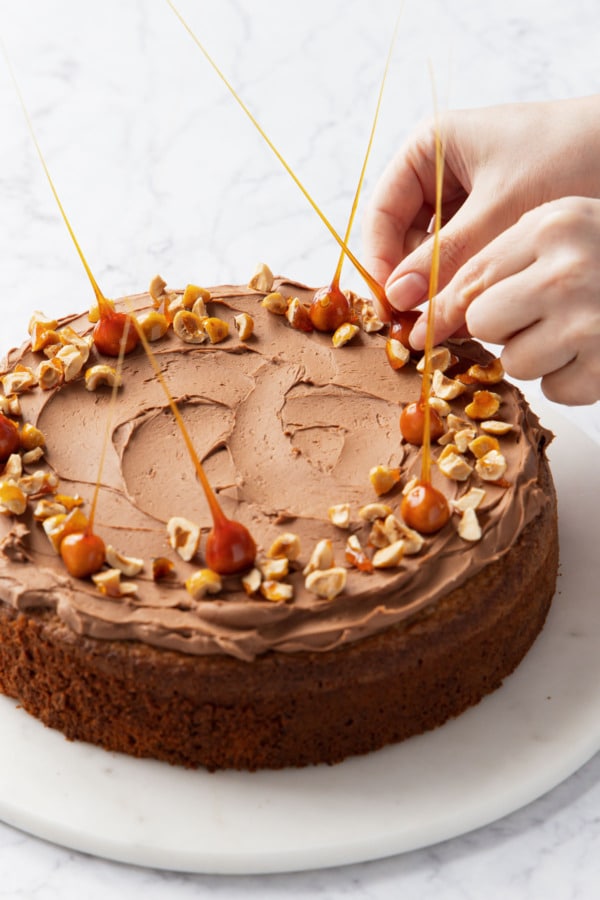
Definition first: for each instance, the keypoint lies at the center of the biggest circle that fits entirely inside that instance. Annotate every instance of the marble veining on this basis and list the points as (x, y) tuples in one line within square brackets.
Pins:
[(159, 171)]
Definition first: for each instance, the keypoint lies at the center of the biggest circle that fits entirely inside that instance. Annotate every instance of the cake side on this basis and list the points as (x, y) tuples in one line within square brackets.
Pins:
[(289, 709)]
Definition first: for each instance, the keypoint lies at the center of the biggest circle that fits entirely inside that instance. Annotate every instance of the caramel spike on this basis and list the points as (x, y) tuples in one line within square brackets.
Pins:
[(338, 271), (433, 286), (375, 287), (99, 295)]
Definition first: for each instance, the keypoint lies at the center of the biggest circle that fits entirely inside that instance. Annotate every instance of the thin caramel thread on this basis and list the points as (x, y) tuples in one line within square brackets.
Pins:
[(433, 286), (102, 301), (338, 271), (375, 287)]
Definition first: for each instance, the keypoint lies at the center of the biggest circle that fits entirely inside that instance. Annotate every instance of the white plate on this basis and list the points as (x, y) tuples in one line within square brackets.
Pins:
[(517, 744)]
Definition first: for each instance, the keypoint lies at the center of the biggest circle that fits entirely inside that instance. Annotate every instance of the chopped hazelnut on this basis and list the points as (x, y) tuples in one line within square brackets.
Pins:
[(244, 324), (390, 556), (203, 582), (183, 536), (469, 528), (262, 279), (327, 583), (339, 515), (344, 334), (384, 478), (287, 544)]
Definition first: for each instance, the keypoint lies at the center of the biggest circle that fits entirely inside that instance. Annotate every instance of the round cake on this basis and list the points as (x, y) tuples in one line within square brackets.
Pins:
[(352, 631)]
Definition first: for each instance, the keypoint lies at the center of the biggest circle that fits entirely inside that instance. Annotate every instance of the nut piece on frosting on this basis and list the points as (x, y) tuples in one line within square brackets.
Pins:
[(189, 327), (262, 280), (389, 557), (286, 544), (492, 466), (252, 581), (493, 373), (469, 528), (440, 360), (339, 515), (321, 557), (13, 500), (183, 536), (384, 478), (276, 591), (344, 334), (327, 583), (193, 293), (109, 583), (483, 405), (216, 329), (101, 374), (274, 569), (50, 374), (275, 303), (244, 324), (203, 582), (128, 565), (373, 511), (154, 325), (397, 354), (19, 380)]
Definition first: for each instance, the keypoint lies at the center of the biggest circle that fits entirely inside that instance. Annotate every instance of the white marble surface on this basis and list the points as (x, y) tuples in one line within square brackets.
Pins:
[(159, 171)]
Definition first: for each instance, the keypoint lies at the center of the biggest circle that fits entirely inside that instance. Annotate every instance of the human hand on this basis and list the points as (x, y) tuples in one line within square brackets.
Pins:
[(499, 162), (536, 290)]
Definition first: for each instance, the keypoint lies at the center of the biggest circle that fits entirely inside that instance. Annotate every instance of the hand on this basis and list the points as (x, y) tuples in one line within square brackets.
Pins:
[(499, 162), (536, 290)]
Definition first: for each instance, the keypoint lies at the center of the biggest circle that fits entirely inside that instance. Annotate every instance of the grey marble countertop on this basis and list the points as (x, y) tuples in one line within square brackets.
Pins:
[(159, 171)]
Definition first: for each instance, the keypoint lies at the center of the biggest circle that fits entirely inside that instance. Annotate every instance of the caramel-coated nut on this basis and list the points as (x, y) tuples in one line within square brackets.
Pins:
[(344, 334), (339, 515), (390, 556), (203, 582), (469, 528), (59, 526), (384, 478), (128, 565), (40, 320), (183, 537), (397, 354), (492, 466), (32, 456), (199, 308), (244, 324), (101, 374), (327, 583), (189, 327), (483, 405), (262, 279), (286, 544), (321, 557), (71, 338)]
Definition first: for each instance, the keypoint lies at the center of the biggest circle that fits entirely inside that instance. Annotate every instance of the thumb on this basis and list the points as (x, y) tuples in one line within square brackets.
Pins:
[(475, 224)]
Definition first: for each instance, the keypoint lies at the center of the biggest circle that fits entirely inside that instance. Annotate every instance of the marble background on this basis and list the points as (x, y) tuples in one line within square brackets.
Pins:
[(160, 171)]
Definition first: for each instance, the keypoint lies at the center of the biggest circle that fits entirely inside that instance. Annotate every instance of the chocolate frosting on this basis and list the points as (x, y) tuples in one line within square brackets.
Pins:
[(286, 427)]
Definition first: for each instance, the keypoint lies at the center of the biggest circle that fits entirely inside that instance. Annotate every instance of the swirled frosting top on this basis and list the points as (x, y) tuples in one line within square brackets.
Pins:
[(286, 426)]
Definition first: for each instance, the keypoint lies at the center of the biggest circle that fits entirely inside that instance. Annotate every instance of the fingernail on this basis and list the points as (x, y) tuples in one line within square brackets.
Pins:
[(406, 291), (417, 336)]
